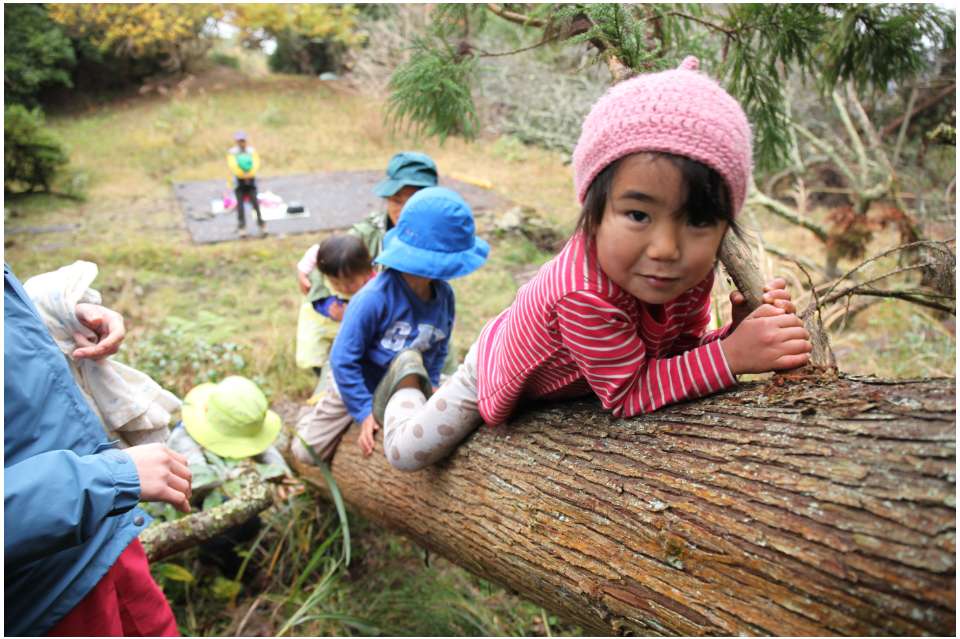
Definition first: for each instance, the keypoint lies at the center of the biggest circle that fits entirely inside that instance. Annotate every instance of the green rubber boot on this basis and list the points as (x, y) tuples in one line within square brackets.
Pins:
[(407, 362)]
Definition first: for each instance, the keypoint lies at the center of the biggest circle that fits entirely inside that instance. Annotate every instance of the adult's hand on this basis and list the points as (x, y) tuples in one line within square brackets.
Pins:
[(108, 327), (164, 475)]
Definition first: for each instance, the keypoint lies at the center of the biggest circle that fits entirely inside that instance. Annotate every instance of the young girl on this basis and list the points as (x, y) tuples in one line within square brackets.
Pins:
[(661, 171)]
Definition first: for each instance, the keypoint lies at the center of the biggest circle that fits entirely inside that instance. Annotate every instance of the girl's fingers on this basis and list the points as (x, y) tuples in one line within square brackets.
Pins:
[(766, 310), (785, 320), (736, 297), (795, 333), (792, 361), (796, 347), (775, 283)]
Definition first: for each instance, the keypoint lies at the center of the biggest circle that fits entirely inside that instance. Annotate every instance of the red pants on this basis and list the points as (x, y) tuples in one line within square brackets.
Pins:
[(126, 602)]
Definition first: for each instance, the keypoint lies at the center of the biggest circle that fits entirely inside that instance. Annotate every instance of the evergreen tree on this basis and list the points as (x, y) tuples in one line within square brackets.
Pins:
[(751, 48)]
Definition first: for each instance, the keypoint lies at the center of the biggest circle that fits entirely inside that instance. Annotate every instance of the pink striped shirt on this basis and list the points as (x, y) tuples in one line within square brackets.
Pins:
[(571, 331)]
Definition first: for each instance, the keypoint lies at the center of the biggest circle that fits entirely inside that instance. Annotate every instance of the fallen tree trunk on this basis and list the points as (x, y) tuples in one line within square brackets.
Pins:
[(791, 507)]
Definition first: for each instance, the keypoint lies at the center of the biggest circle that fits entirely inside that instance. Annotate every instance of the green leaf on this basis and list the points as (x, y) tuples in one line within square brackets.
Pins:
[(225, 589), (172, 572)]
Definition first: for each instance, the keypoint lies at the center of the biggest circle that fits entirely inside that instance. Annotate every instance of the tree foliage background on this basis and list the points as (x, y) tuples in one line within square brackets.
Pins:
[(752, 48)]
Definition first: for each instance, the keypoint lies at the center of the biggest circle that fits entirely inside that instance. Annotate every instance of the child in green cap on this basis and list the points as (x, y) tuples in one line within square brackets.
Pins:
[(232, 421)]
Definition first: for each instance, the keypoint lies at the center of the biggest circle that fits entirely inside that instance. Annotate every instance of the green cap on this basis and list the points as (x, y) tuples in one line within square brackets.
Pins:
[(408, 168), (231, 418)]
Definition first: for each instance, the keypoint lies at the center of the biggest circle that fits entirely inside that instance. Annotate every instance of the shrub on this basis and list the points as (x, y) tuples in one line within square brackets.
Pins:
[(36, 53), (32, 155)]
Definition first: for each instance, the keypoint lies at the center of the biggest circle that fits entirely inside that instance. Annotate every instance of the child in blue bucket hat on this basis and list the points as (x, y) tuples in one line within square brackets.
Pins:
[(399, 324), (406, 173)]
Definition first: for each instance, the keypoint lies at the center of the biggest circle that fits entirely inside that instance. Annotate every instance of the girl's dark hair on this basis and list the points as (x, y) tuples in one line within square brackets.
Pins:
[(708, 199), (343, 256)]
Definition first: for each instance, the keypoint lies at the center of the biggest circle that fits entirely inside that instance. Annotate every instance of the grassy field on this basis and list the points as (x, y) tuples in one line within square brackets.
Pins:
[(200, 312)]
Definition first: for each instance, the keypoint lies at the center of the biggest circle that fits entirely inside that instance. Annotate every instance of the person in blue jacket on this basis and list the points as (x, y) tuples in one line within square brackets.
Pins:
[(72, 561), (406, 312)]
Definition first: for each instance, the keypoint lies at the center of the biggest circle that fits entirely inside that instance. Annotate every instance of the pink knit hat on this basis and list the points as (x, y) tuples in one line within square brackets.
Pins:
[(682, 112)]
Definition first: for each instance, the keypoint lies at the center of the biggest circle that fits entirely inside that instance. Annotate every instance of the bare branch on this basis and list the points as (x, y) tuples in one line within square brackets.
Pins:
[(618, 70), (830, 152), (516, 18), (773, 250), (923, 106), (822, 354), (783, 211), (869, 130), (934, 243), (901, 295), (858, 147), (904, 125), (739, 262)]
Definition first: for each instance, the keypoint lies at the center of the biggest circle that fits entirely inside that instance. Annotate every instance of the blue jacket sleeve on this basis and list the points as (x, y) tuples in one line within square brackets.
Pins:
[(435, 357), (359, 321), (77, 493), (323, 305)]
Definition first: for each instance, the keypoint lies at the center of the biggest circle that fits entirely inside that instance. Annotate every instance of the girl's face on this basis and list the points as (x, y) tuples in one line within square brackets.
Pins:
[(644, 242)]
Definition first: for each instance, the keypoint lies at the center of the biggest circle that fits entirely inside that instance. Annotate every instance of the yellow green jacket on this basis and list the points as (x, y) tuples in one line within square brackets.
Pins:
[(235, 168)]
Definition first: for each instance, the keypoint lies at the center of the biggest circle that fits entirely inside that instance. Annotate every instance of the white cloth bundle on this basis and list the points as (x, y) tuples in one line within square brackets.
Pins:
[(132, 407)]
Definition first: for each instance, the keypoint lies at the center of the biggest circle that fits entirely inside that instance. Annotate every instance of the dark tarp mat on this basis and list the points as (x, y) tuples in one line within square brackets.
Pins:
[(334, 200)]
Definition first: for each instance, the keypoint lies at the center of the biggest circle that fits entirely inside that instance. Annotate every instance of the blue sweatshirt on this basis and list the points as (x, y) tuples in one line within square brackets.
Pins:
[(382, 319)]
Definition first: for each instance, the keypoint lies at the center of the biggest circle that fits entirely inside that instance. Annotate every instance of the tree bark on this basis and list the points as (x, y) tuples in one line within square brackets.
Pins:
[(787, 507), (169, 538)]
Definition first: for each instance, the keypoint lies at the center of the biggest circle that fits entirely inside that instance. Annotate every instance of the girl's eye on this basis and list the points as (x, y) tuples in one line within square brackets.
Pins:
[(701, 223), (638, 216)]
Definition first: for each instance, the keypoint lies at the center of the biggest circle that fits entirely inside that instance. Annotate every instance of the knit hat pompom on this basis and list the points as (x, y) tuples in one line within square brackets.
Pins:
[(681, 112)]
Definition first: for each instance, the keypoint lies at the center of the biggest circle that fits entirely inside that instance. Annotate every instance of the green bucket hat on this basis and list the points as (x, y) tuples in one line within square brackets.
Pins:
[(231, 418), (407, 168)]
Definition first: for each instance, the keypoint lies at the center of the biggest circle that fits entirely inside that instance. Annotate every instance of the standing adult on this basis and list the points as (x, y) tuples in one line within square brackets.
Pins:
[(244, 162), (72, 562)]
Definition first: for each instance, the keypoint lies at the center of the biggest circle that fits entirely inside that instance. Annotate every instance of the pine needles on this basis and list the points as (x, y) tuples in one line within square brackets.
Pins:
[(431, 94)]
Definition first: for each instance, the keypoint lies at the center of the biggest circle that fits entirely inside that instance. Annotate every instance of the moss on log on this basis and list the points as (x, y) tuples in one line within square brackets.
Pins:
[(800, 506), (168, 538)]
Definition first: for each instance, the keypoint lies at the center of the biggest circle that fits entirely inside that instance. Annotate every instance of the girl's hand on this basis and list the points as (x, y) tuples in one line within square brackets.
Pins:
[(164, 475), (774, 293), (768, 339), (368, 430)]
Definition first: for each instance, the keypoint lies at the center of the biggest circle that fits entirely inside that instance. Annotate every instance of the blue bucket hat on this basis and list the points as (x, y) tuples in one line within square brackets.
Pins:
[(239, 135), (408, 168), (434, 237)]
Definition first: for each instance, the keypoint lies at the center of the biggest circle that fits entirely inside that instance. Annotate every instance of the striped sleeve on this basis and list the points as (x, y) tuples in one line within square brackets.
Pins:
[(605, 345)]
